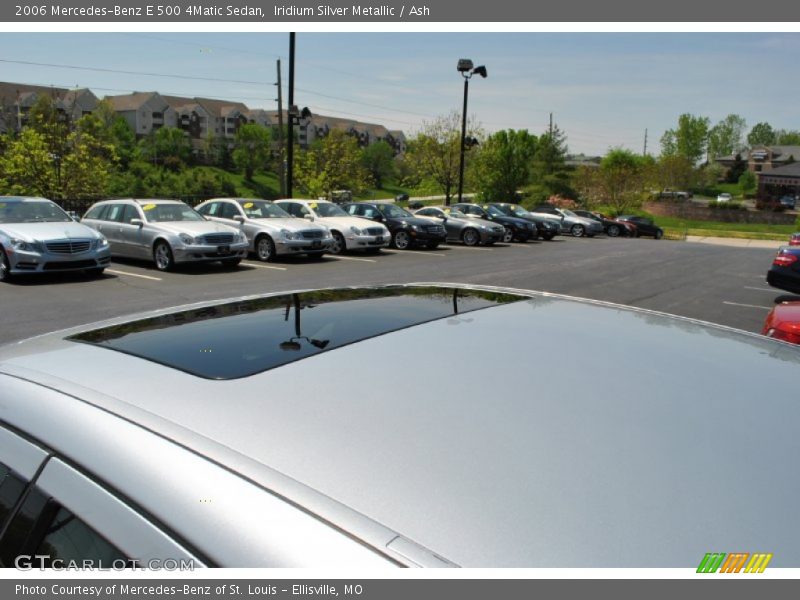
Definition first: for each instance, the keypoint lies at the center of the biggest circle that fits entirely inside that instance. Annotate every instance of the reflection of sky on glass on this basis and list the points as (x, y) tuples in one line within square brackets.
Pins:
[(233, 342)]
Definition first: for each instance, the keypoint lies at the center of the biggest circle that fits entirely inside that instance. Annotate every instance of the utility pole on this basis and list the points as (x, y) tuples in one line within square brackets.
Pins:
[(645, 143), (281, 165), (290, 140), (551, 125)]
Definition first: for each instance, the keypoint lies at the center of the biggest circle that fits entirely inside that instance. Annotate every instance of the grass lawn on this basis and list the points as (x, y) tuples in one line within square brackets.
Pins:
[(676, 228)]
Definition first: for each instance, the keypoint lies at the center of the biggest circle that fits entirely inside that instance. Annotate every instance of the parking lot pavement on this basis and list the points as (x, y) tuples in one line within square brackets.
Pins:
[(716, 283)]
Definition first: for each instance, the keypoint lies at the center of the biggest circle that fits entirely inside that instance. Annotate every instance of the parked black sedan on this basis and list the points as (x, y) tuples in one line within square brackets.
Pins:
[(406, 229), (644, 226), (518, 229), (784, 273), (611, 227), (546, 228)]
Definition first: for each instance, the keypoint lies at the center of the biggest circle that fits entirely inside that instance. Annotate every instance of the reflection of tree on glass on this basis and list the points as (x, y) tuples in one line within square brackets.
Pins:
[(293, 344)]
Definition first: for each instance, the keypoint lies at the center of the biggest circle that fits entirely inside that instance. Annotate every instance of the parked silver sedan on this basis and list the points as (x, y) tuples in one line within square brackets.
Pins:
[(270, 230), (37, 236), (166, 232), (461, 228)]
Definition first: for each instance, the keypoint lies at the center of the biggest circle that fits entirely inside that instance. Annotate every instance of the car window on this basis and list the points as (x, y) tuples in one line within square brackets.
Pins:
[(369, 212), (68, 538), (261, 209), (228, 210), (393, 212), (158, 213), (11, 487), (328, 209), (130, 213), (40, 211), (210, 209), (354, 209), (115, 212), (95, 212)]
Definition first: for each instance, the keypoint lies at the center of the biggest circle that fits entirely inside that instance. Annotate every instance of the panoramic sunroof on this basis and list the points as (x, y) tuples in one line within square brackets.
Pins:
[(239, 339)]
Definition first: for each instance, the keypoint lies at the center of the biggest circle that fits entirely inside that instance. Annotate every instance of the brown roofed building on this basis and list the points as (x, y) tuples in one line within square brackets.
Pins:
[(16, 99)]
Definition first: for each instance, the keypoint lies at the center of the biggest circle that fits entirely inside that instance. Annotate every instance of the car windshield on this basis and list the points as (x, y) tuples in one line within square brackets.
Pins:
[(455, 213), (328, 209), (393, 212), (160, 213), (494, 211), (261, 209), (518, 211), (32, 212), (568, 212)]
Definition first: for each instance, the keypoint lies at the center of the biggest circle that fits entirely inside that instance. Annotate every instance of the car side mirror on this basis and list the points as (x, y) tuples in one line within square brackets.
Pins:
[(310, 217), (238, 218), (137, 222)]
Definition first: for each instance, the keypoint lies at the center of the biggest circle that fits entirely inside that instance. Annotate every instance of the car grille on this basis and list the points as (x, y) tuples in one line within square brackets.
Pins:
[(434, 229), (69, 264), (218, 238), (68, 246), (311, 234), (373, 231)]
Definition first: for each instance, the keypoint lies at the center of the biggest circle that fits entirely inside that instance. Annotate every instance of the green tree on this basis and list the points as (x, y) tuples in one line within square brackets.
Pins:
[(27, 166), (689, 139), (378, 159), (747, 183), (251, 148), (619, 181), (725, 138), (434, 154), (786, 137), (551, 152), (761, 134), (332, 163), (675, 172), (503, 164), (167, 146)]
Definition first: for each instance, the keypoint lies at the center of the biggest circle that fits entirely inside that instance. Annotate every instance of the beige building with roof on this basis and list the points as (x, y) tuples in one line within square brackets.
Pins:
[(16, 100)]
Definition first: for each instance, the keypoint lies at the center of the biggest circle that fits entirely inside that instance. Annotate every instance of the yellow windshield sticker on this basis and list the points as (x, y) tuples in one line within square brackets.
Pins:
[(249, 205), (313, 205), (148, 207)]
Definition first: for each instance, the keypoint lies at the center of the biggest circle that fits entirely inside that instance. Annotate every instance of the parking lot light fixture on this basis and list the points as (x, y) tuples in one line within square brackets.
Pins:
[(465, 67)]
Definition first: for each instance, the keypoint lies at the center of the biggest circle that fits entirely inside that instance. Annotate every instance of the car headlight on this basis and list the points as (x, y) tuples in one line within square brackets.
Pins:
[(288, 235), (355, 230), (24, 246), (327, 234), (186, 238), (485, 227), (101, 243), (240, 237), (415, 227)]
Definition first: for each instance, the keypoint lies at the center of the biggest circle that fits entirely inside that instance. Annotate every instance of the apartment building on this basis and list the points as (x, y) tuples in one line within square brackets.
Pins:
[(16, 100)]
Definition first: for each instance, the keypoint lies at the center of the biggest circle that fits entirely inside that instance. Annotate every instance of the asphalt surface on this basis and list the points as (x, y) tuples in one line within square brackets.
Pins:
[(715, 283)]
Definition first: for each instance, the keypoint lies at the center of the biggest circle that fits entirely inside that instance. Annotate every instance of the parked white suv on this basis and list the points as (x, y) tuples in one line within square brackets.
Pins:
[(270, 230), (349, 232)]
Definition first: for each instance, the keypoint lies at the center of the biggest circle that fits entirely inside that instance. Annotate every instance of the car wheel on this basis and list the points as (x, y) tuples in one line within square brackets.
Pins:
[(338, 243), (508, 235), (659, 234), (162, 256), (401, 240), (231, 263), (5, 268), (470, 237), (577, 230), (612, 231), (432, 245), (265, 248)]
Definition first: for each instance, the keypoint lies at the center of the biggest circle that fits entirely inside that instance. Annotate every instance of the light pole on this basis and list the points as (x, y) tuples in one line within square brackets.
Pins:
[(467, 71)]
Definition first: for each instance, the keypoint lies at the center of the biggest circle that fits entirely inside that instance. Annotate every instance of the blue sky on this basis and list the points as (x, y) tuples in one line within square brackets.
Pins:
[(603, 88)]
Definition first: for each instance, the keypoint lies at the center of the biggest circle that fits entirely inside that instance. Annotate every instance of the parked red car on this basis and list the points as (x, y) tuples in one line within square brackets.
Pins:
[(795, 239), (783, 322)]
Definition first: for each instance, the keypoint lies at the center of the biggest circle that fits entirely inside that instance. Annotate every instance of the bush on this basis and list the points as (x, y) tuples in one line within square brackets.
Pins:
[(772, 205), (731, 205)]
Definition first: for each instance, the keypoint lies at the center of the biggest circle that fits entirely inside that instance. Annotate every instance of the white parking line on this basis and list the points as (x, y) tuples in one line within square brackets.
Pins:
[(115, 272), (470, 248), (260, 266), (746, 305), (770, 290), (339, 257), (413, 253)]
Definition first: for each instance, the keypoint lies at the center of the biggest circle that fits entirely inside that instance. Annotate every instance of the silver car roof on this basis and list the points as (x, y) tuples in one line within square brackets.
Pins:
[(544, 432)]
